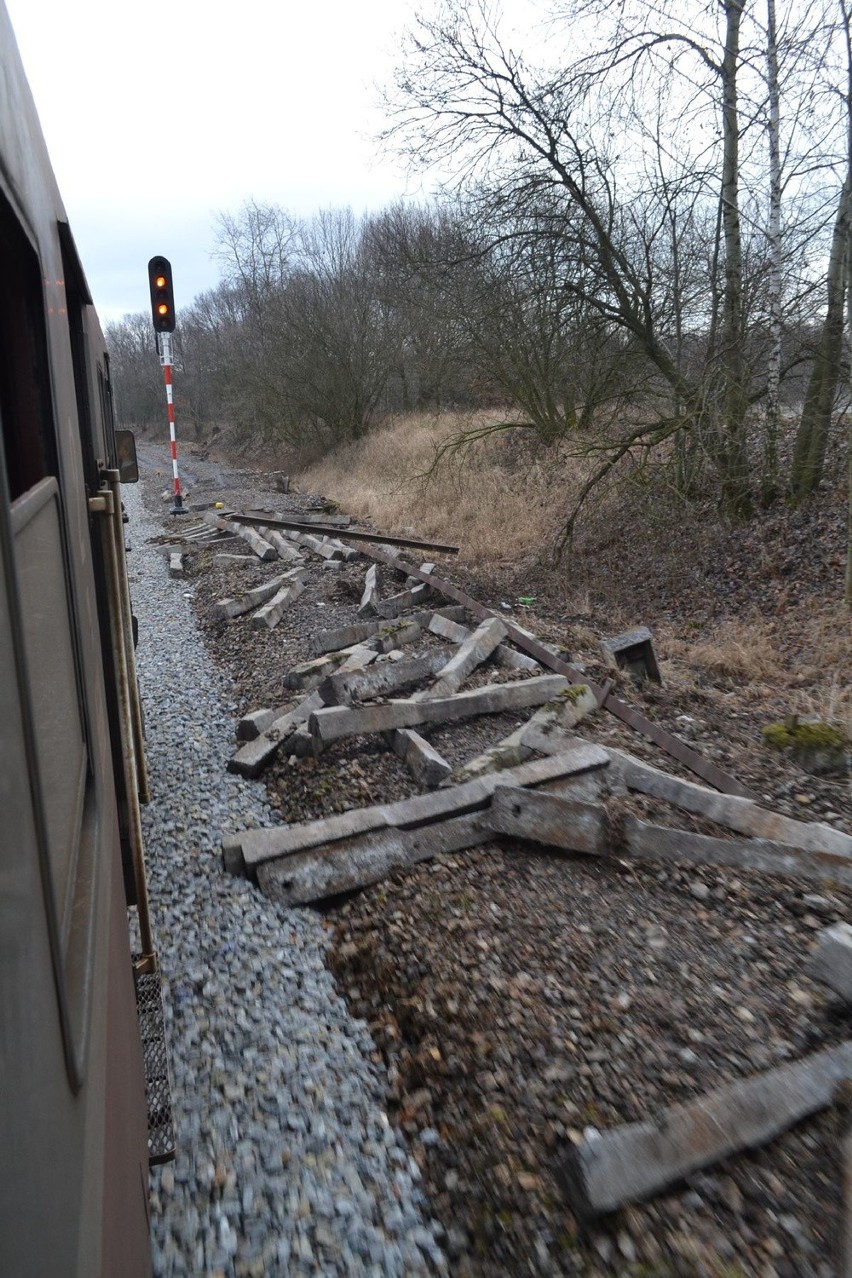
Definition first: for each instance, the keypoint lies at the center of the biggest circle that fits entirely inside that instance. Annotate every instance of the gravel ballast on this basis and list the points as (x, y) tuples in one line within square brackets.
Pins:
[(524, 1000), (287, 1163)]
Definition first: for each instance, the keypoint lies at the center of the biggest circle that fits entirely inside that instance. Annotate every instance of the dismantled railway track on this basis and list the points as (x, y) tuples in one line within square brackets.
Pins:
[(414, 655)]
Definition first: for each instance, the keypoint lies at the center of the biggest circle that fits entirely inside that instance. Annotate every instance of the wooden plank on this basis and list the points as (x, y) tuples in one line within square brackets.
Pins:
[(665, 740), (637, 1160), (249, 848), (338, 722), (544, 818), (742, 815), (660, 843)]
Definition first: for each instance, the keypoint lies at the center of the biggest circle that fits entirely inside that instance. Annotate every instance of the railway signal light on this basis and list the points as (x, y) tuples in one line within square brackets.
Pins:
[(162, 294)]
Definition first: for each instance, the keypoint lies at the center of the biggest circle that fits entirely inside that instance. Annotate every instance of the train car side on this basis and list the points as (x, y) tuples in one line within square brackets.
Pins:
[(73, 1185)]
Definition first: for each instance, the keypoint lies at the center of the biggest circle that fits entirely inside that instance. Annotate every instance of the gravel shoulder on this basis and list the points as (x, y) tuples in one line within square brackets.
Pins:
[(515, 999), (287, 1163)]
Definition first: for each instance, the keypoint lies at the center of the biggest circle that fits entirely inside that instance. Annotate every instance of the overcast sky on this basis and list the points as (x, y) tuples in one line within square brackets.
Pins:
[(157, 116)]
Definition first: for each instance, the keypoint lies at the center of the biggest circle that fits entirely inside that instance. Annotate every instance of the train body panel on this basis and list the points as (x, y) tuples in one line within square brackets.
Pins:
[(73, 1187)]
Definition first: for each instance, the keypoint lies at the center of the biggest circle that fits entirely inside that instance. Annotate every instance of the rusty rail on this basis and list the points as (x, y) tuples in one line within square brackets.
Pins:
[(321, 530)]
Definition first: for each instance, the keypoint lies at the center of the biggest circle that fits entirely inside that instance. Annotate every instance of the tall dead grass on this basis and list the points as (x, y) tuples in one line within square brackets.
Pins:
[(473, 502), (747, 651)]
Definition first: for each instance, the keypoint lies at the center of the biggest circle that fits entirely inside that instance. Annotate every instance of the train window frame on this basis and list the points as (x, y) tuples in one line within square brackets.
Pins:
[(34, 459)]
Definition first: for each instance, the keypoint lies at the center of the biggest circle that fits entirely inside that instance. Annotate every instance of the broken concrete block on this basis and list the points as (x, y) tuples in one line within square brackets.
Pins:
[(334, 640), (661, 843), (635, 1161), (261, 547), (831, 963), (370, 597), (397, 604), (555, 822), (547, 728), (733, 811), (510, 659), (507, 753), (271, 613), (253, 757), (286, 552), (337, 722), (473, 652), (504, 656), (252, 725), (248, 849), (310, 674), (176, 565), (392, 636), (423, 761), (633, 652), (224, 609), (300, 743), (343, 687), (446, 628), (415, 581)]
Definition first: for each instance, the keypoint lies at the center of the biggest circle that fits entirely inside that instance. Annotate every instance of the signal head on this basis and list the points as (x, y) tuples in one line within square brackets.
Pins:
[(162, 294)]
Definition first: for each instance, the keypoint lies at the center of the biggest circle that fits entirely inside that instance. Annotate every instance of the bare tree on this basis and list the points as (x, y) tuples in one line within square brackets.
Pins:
[(812, 436)]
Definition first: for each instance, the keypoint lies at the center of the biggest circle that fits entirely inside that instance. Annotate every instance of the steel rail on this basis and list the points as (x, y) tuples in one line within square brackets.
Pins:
[(667, 741), (321, 530)]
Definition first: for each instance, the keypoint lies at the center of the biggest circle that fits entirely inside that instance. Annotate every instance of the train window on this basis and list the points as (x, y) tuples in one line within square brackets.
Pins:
[(76, 297), (25, 408)]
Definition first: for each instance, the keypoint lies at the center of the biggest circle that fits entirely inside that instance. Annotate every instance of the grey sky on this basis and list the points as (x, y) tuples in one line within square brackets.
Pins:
[(157, 116)]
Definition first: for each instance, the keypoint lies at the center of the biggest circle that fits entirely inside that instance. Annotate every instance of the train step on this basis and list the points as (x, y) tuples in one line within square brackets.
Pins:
[(158, 1089)]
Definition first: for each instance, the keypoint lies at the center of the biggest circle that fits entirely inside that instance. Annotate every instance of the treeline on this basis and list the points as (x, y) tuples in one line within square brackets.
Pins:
[(645, 253)]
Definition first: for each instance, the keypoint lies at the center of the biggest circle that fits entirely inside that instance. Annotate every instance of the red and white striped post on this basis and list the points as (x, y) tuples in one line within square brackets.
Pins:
[(163, 316), (166, 361)]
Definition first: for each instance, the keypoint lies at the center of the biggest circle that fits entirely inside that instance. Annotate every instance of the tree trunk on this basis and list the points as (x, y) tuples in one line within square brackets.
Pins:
[(733, 460), (772, 424), (812, 435)]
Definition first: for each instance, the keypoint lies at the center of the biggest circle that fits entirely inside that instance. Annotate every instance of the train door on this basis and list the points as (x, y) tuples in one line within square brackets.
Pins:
[(73, 1183)]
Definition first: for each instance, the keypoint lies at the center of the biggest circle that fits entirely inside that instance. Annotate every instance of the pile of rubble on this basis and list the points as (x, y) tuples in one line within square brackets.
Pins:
[(543, 784)]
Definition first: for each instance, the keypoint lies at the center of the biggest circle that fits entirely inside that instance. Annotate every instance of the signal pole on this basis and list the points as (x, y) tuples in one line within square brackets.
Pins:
[(163, 314)]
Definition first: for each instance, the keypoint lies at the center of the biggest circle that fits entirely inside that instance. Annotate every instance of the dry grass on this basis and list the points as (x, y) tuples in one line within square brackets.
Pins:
[(735, 649), (747, 651), (475, 503)]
